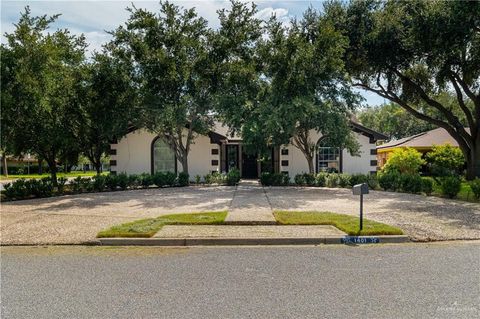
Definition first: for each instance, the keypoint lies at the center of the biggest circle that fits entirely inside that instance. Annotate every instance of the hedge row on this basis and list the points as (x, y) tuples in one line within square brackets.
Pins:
[(321, 179)]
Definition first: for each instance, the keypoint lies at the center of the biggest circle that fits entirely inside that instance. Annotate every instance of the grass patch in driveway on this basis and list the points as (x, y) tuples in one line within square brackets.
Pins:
[(346, 223), (150, 226)]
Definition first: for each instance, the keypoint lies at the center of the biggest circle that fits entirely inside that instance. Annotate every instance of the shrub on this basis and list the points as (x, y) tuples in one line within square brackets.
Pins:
[(233, 177), (475, 187), (372, 181), (61, 182), (122, 180), (309, 179), (320, 179), (274, 179), (170, 178), (159, 179), (266, 178), (445, 160), (16, 190), (404, 161), (198, 179), (183, 179), (98, 182), (450, 186), (145, 180), (215, 178), (344, 180), (332, 180), (45, 187), (411, 183), (389, 181), (77, 185), (111, 181), (133, 181), (358, 179), (427, 186), (285, 179), (299, 179)]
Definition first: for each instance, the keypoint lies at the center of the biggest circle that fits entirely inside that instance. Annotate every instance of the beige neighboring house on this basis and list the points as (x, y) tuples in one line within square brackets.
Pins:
[(141, 151), (422, 142)]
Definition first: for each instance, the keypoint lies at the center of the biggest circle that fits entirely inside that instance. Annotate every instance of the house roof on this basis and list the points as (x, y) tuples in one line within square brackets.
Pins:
[(427, 139)]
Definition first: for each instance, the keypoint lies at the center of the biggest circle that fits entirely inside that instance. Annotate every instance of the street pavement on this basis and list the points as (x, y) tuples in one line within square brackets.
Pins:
[(440, 280)]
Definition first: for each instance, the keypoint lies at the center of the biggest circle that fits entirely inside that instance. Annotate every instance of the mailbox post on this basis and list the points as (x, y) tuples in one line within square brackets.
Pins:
[(360, 189)]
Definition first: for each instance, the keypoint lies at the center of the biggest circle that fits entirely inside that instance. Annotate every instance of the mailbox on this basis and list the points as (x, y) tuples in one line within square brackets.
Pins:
[(360, 189)]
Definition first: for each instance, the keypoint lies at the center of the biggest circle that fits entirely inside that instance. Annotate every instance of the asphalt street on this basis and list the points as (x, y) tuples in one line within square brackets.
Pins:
[(439, 280)]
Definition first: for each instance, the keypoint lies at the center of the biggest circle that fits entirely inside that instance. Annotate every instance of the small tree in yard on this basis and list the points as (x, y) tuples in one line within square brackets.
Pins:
[(43, 87), (412, 53), (170, 53), (404, 161), (445, 160)]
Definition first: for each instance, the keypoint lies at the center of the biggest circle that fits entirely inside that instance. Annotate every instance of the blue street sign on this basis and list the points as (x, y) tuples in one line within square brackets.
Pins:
[(360, 240)]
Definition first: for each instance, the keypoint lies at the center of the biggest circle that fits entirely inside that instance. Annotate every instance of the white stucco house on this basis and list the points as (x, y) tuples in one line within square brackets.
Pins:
[(141, 151)]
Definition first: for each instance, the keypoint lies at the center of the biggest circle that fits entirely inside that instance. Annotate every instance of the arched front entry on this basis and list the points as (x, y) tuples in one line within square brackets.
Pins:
[(163, 157)]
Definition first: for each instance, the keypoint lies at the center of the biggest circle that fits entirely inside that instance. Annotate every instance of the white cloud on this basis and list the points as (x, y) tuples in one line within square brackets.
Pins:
[(267, 13)]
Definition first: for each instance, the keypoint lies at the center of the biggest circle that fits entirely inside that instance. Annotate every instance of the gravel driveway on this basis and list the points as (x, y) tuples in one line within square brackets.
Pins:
[(78, 218)]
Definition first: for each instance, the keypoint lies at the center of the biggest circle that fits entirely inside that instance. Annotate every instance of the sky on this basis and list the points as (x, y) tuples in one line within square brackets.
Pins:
[(94, 18)]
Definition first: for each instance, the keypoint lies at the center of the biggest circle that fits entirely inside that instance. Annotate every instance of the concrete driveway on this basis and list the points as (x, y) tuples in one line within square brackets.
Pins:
[(78, 218)]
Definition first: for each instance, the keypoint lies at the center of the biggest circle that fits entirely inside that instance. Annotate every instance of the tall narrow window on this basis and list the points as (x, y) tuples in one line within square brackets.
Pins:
[(163, 157), (328, 157)]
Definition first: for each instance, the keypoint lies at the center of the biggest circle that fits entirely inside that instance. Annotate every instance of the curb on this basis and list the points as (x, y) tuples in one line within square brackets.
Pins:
[(332, 240)]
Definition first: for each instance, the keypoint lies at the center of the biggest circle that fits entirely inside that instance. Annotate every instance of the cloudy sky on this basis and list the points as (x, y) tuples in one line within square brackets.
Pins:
[(93, 18)]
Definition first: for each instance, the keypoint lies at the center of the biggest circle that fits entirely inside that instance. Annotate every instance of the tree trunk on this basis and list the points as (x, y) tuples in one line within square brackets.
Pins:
[(310, 164), (184, 162), (473, 161), (52, 165), (4, 164)]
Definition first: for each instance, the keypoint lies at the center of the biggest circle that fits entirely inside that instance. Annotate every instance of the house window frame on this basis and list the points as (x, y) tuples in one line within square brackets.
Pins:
[(152, 155), (339, 159)]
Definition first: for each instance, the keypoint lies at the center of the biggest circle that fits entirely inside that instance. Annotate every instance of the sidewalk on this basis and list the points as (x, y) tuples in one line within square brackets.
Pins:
[(250, 205)]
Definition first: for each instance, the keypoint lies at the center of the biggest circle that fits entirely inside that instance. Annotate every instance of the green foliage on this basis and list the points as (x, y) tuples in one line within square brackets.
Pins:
[(198, 179), (445, 160), (358, 179), (233, 177), (133, 181), (344, 180), (427, 186), (61, 184), (299, 179), (274, 179), (111, 182), (372, 181), (146, 180), (450, 186), (122, 181), (215, 178), (332, 180), (161, 179), (99, 182), (183, 179), (389, 180), (404, 161), (320, 179), (475, 187), (410, 183), (392, 120)]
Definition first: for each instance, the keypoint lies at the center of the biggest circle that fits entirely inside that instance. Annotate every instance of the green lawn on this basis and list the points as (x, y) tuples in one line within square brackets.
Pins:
[(346, 223), (150, 226), (465, 193), (71, 174)]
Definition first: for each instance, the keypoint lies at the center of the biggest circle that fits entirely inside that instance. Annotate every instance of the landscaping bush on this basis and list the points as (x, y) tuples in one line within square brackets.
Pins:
[(122, 180), (411, 183), (198, 179), (145, 180), (274, 179), (450, 186), (61, 181), (233, 177), (111, 181), (183, 179), (215, 178), (159, 179), (389, 180), (445, 160), (404, 161), (98, 182), (77, 185), (344, 180), (285, 179), (299, 179), (133, 181), (309, 179), (358, 179), (475, 187), (427, 186), (372, 181), (332, 180), (320, 179), (16, 189), (170, 178)]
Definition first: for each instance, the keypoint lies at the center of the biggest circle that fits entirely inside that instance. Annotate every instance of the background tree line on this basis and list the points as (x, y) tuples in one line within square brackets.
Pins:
[(171, 73)]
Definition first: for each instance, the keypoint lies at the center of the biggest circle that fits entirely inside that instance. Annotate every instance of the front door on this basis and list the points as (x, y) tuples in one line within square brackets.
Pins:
[(249, 165)]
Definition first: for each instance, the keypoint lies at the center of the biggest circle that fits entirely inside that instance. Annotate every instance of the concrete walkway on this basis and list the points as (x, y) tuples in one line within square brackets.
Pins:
[(250, 205)]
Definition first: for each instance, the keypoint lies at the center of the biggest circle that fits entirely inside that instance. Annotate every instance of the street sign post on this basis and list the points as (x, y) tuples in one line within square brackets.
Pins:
[(360, 189)]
